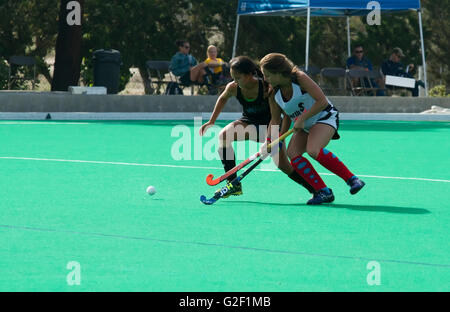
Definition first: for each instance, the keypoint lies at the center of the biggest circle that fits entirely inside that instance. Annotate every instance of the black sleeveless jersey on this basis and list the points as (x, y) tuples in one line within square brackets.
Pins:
[(258, 110)]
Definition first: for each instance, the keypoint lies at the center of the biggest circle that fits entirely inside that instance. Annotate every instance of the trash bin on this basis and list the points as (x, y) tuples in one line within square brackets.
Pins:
[(107, 69)]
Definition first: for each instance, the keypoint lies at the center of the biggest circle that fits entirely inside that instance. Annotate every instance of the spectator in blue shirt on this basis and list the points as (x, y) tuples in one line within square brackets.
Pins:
[(185, 66), (359, 61), (394, 67)]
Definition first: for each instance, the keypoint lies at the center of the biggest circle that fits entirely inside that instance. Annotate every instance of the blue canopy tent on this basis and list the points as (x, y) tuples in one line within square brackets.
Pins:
[(327, 8)]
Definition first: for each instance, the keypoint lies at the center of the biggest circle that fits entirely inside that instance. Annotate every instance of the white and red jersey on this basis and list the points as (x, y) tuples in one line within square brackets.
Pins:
[(301, 101)]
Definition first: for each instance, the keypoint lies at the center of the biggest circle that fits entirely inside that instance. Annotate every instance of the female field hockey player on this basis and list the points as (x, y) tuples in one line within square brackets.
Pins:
[(252, 93), (298, 96)]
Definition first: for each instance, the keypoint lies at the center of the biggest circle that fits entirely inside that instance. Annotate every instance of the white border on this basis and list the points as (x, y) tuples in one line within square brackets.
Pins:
[(205, 116)]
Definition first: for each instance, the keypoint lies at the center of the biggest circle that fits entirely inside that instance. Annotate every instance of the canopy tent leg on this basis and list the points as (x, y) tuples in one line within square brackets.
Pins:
[(423, 54), (235, 37), (348, 37), (308, 20)]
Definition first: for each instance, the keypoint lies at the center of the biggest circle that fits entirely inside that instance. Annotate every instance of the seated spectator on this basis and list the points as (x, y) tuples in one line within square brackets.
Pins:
[(185, 66), (393, 67), (359, 61), (217, 65)]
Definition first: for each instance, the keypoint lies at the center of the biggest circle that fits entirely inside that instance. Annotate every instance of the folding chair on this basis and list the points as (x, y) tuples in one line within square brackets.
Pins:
[(312, 71), (21, 61), (157, 72), (377, 76), (219, 81), (333, 81), (359, 82)]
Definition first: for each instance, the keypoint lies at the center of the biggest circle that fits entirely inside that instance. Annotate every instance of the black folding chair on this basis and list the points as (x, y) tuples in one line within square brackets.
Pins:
[(17, 75), (159, 75), (333, 81), (313, 71), (377, 76), (360, 83)]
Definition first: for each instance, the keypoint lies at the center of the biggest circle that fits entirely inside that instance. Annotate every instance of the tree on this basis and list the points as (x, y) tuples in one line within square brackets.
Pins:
[(147, 30), (437, 19), (288, 36), (139, 29), (68, 46), (396, 30), (28, 27)]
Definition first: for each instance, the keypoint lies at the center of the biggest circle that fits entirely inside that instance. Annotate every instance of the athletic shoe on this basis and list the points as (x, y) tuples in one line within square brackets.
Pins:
[(355, 184), (321, 196), (235, 191)]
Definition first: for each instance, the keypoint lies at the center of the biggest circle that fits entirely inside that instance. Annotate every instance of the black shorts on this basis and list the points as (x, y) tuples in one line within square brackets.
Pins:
[(185, 79), (257, 123)]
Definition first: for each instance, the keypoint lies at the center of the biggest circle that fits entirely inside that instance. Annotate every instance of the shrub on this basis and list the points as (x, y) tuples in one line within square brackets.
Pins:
[(439, 91)]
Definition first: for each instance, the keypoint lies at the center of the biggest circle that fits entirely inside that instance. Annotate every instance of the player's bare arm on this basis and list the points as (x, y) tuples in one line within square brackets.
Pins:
[(316, 93), (229, 92)]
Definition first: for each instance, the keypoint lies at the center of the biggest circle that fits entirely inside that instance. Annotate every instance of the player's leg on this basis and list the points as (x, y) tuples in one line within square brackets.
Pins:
[(280, 159), (319, 136), (235, 131), (296, 149), (282, 162), (226, 151), (198, 72)]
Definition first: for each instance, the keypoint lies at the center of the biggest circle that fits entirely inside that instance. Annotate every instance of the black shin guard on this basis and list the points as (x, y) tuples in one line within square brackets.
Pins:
[(228, 160), (298, 178)]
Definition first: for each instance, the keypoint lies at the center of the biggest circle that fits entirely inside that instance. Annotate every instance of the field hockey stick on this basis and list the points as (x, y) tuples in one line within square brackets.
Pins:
[(210, 177), (224, 190)]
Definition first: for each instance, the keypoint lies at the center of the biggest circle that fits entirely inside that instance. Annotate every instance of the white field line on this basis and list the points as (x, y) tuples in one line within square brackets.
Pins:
[(107, 163), (198, 167)]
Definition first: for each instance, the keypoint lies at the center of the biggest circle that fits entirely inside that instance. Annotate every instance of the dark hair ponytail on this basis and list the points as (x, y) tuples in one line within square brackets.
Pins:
[(259, 73), (244, 65)]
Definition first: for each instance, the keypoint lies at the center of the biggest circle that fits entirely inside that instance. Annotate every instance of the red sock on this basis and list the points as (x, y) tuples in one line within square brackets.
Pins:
[(307, 171), (332, 163)]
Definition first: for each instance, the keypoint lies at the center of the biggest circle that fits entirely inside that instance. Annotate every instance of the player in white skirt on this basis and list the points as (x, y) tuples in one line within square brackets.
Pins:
[(296, 95)]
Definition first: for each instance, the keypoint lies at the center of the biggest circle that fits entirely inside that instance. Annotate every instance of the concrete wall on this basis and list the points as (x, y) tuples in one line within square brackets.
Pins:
[(65, 102)]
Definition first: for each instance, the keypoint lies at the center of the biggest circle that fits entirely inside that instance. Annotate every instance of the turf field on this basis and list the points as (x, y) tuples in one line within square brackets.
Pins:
[(75, 191)]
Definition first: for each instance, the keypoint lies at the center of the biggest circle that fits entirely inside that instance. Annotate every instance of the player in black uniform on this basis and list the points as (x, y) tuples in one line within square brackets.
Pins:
[(252, 93)]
